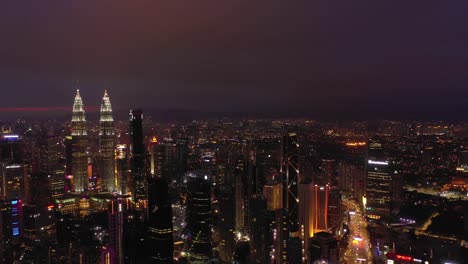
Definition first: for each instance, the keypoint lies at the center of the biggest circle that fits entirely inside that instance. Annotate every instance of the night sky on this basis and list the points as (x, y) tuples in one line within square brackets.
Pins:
[(344, 59)]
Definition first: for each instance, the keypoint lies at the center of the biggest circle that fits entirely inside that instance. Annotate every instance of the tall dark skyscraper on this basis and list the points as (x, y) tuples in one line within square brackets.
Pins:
[(138, 161), (226, 222), (181, 158), (79, 145), (199, 214), (116, 227), (335, 209), (290, 171), (107, 145), (259, 233), (159, 240)]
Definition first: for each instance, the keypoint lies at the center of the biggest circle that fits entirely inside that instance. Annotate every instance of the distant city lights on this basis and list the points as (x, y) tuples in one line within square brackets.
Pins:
[(10, 136), (355, 144), (375, 162)]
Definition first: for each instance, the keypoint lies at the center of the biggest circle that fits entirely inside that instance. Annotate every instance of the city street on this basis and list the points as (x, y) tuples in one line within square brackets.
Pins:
[(358, 250)]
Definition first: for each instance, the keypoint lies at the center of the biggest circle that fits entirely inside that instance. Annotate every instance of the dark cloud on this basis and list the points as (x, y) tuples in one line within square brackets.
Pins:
[(236, 55)]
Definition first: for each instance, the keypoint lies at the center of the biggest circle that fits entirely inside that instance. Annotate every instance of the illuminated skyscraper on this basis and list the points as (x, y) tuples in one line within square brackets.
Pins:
[(274, 196), (379, 182), (162, 159), (122, 169), (290, 174), (138, 166), (11, 229), (306, 213), (321, 196), (280, 234), (79, 145), (13, 180), (12, 171), (107, 145)]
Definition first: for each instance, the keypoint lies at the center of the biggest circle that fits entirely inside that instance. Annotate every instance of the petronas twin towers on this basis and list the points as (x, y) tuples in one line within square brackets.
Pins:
[(80, 146)]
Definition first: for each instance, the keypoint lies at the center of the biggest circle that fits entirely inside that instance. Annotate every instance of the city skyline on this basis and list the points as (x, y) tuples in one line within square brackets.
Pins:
[(233, 132)]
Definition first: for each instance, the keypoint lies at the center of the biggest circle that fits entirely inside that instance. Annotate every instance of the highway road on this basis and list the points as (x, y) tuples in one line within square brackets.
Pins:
[(358, 250)]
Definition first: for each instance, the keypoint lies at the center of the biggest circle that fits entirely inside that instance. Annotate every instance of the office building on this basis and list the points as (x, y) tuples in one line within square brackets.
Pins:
[(181, 158), (306, 213), (335, 210), (379, 182), (280, 236), (274, 195), (162, 159), (122, 169), (11, 230), (79, 145), (199, 214), (13, 180), (57, 181), (39, 224), (13, 183), (324, 247), (159, 239), (139, 168), (321, 197), (68, 144), (226, 222), (290, 174), (107, 146), (259, 232), (116, 227)]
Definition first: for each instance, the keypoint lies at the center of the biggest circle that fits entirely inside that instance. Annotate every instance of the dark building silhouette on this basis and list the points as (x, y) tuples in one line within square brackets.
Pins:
[(162, 160), (335, 209), (199, 214), (242, 253), (116, 230), (324, 246), (138, 161), (181, 158), (159, 238), (226, 222), (122, 169), (260, 231), (68, 142)]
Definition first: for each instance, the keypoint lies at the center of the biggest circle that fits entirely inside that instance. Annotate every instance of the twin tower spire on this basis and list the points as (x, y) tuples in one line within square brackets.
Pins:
[(79, 112), (105, 157)]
